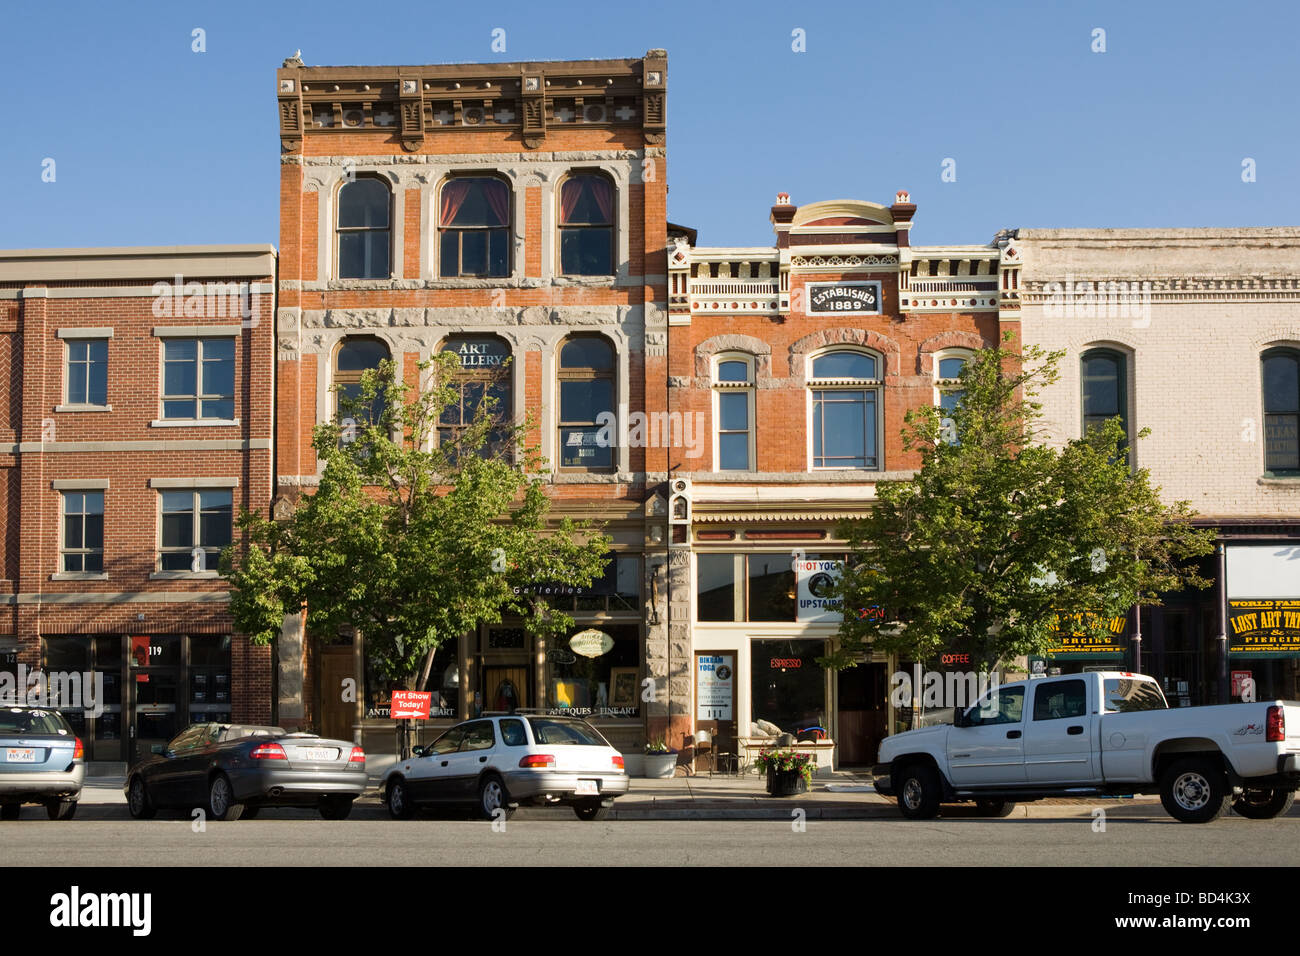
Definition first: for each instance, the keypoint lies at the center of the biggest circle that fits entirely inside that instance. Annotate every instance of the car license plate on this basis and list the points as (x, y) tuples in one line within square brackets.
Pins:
[(319, 753), (20, 755), (587, 786)]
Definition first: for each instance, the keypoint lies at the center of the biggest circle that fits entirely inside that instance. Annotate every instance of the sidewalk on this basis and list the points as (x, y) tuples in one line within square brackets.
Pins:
[(840, 796)]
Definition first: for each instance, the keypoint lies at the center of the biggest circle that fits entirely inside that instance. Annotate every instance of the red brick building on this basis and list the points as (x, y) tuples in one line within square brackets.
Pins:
[(801, 360), (136, 424), (501, 211)]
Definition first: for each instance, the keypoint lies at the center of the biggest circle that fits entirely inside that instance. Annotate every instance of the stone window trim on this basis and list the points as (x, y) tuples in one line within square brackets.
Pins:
[(886, 349), (514, 235), (758, 351), (745, 388), (557, 218), (616, 376), (951, 341), (1286, 352)]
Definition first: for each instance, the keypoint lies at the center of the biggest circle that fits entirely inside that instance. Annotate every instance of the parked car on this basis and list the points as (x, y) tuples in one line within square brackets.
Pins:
[(496, 763), (234, 770), (41, 761), (1099, 733)]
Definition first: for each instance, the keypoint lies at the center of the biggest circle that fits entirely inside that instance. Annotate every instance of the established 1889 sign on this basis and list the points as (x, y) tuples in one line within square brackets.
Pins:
[(844, 297)]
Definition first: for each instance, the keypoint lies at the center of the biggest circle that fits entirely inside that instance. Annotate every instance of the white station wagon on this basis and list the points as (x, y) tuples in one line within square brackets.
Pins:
[(497, 763)]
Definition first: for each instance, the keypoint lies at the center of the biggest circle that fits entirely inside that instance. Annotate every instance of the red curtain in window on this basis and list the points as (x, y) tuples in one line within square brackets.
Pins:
[(604, 193), (498, 198), (454, 194), (595, 186)]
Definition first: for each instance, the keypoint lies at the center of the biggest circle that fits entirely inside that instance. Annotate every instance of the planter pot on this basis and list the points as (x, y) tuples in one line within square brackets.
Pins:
[(660, 766), (785, 783)]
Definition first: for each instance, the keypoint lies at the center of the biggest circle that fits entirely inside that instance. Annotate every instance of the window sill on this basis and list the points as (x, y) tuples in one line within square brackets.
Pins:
[(1283, 481), (83, 408), (78, 576), (184, 575), (193, 422)]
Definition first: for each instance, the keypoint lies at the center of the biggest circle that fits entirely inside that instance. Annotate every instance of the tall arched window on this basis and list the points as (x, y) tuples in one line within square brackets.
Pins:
[(1281, 368), (364, 230), (733, 412), (354, 357), (474, 227), (845, 405), (586, 395), (587, 225), (947, 371), (1105, 388), (484, 373)]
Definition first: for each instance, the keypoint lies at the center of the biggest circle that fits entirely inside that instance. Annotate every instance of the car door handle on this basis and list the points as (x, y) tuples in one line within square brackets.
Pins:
[(1013, 735), (444, 763), (1074, 731), (482, 759)]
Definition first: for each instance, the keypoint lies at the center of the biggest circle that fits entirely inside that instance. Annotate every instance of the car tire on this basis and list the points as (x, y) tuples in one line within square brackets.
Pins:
[(335, 808), (590, 810), (1263, 804), (138, 802), (994, 808), (61, 809), (493, 796), (1194, 790), (398, 799), (10, 811), (919, 792), (250, 813), (221, 800)]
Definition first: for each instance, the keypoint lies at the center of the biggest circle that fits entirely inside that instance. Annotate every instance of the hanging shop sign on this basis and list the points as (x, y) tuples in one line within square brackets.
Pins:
[(591, 643), (1071, 635), (714, 683), (817, 581), (1269, 626), (844, 297)]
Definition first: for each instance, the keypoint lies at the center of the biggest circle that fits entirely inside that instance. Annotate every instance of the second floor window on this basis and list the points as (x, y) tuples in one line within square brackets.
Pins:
[(354, 358), (1282, 411), (1104, 389), (734, 414), (364, 231), (83, 531), (474, 227), (88, 372), (587, 226), (199, 379), (586, 397), (845, 390), (947, 372), (196, 525), (484, 373)]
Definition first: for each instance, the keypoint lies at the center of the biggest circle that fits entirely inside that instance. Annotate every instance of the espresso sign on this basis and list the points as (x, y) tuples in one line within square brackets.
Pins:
[(844, 297), (1263, 626), (478, 353)]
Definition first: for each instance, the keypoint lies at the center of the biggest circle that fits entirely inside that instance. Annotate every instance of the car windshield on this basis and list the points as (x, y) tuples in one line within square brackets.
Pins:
[(551, 731), (14, 720), (1126, 696), (239, 731)]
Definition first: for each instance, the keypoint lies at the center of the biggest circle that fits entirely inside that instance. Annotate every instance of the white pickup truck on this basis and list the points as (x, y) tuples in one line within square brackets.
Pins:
[(1098, 733)]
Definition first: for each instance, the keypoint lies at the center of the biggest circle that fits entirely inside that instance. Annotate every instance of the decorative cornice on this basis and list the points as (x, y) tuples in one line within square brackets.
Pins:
[(1164, 289)]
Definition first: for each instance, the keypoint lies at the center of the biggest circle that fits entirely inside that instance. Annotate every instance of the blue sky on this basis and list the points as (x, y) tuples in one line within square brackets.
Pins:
[(157, 145)]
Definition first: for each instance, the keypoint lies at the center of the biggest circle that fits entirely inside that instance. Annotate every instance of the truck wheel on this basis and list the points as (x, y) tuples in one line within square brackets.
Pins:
[(1263, 804), (994, 808), (919, 792), (1194, 790)]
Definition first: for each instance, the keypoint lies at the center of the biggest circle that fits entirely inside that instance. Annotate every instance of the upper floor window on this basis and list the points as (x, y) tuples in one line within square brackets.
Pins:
[(365, 246), (733, 413), (199, 379), (354, 358), (1105, 381), (474, 227), (196, 525), (1282, 411), (83, 531), (947, 370), (484, 374), (586, 402), (587, 225), (87, 371), (845, 392)]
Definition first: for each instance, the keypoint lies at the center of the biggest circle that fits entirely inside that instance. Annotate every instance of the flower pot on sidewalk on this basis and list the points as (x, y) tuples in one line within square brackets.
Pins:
[(788, 771), (785, 783), (660, 766)]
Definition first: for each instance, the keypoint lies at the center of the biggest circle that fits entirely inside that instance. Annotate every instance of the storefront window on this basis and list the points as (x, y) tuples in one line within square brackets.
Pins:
[(788, 686), (771, 587), (769, 591), (443, 684), (605, 685)]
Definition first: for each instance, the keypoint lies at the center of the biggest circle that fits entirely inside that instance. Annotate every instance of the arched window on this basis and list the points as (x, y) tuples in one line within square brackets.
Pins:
[(586, 399), (587, 225), (474, 227), (354, 357), (845, 405), (947, 372), (1105, 388), (733, 412), (364, 233), (484, 373), (1281, 371)]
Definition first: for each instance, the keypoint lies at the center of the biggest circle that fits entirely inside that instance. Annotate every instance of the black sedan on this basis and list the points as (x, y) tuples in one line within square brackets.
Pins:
[(233, 770)]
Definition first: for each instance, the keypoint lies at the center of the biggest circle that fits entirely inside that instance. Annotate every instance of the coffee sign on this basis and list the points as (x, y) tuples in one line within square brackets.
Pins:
[(861, 297)]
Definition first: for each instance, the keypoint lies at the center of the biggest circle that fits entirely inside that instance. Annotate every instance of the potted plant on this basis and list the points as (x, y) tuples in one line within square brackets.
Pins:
[(788, 771), (660, 760)]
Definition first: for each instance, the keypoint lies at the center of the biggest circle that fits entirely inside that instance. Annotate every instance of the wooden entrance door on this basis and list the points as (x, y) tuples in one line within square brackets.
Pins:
[(505, 688), (337, 715)]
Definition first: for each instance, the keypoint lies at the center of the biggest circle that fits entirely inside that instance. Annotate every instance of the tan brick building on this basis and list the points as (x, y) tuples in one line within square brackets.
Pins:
[(136, 424), (501, 211)]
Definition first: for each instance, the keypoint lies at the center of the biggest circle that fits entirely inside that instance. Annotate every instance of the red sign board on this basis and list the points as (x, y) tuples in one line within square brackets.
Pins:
[(410, 705), (1240, 680)]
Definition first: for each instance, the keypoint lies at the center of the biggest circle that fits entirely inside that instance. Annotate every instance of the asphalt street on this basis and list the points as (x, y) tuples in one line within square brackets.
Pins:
[(1133, 836)]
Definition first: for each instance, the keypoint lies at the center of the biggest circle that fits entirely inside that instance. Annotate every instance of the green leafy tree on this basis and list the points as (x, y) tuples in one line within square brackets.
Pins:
[(999, 532), (411, 541)]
